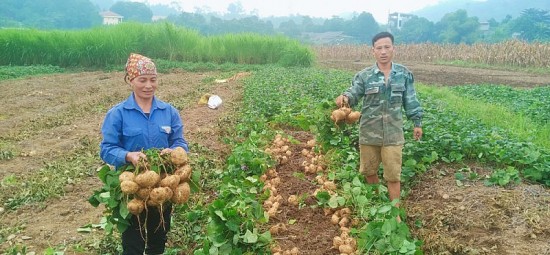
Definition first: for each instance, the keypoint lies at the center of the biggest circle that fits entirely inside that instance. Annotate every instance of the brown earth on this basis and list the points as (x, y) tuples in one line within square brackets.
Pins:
[(300, 225), (471, 218), (46, 118), (434, 74)]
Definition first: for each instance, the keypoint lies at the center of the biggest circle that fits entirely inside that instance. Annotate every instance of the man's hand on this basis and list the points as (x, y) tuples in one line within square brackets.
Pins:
[(417, 133), (134, 157), (342, 100)]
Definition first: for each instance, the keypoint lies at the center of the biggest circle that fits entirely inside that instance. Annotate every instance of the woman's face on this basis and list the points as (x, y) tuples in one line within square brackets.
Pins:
[(144, 86)]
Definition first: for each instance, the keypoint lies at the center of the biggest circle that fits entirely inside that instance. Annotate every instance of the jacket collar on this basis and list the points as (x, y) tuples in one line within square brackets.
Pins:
[(131, 103), (377, 70)]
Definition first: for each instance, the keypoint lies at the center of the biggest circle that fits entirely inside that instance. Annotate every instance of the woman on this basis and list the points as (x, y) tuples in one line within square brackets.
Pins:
[(139, 123)]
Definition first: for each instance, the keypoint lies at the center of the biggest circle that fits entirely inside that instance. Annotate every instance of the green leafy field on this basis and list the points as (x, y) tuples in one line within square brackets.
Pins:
[(303, 98)]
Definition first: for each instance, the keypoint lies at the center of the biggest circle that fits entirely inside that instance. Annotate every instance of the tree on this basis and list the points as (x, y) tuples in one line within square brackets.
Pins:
[(102, 4), (290, 28), (76, 14), (493, 22), (191, 20), (362, 27), (457, 27), (416, 30), (308, 25), (334, 24), (133, 11), (234, 10), (60, 14), (533, 24), (501, 32)]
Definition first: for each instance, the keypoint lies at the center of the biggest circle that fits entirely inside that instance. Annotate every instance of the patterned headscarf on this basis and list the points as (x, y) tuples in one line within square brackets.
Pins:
[(139, 65)]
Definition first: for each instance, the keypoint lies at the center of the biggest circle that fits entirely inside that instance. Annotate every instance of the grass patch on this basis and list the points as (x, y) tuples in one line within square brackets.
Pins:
[(14, 72), (492, 115), (51, 179)]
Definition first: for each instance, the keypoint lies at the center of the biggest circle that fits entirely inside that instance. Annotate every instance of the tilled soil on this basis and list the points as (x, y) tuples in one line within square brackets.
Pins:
[(472, 218), (443, 75)]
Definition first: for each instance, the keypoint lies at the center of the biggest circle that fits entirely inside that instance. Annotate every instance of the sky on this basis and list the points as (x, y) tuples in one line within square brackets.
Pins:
[(314, 8)]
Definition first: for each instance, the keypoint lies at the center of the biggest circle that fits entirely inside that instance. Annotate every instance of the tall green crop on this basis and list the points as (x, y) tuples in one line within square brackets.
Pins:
[(111, 45)]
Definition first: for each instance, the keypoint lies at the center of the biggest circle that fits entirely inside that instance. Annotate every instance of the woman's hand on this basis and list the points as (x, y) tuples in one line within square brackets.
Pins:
[(165, 151), (135, 156)]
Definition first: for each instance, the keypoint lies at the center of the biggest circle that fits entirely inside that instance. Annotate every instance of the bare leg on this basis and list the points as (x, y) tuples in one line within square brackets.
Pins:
[(394, 190), (373, 179)]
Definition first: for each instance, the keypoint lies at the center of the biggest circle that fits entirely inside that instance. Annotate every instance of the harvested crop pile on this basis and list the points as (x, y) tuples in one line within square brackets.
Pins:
[(297, 223), (155, 181)]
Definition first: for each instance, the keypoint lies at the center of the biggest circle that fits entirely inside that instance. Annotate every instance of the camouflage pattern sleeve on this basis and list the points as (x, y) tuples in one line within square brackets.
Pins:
[(413, 110), (356, 91)]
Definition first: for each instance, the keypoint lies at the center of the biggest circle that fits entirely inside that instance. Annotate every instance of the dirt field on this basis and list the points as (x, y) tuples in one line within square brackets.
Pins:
[(430, 73), (46, 118)]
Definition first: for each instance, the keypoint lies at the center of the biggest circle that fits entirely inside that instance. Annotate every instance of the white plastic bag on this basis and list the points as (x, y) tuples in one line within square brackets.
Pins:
[(214, 101)]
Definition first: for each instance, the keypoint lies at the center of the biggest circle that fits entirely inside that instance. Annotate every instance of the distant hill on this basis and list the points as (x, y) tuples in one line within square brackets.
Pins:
[(483, 9)]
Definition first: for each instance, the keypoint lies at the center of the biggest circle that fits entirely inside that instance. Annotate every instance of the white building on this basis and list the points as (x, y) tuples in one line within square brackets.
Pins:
[(157, 18), (111, 18), (397, 19)]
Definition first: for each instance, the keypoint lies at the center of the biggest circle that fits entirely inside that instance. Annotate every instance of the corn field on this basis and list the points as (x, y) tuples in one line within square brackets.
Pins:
[(510, 53)]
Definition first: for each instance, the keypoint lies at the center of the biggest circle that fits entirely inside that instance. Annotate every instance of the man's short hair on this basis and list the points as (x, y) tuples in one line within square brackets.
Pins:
[(380, 36)]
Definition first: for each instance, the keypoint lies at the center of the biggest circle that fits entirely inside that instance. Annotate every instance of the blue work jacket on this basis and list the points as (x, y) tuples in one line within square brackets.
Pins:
[(127, 128)]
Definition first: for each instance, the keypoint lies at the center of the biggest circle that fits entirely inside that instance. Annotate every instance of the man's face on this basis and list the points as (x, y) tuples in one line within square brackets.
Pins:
[(383, 50)]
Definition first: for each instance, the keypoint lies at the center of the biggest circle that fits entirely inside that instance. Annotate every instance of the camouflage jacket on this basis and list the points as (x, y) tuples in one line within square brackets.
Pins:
[(381, 116)]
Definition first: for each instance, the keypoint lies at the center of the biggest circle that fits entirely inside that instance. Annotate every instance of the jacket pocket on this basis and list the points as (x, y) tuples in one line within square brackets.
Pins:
[(163, 134), (372, 96), (397, 91)]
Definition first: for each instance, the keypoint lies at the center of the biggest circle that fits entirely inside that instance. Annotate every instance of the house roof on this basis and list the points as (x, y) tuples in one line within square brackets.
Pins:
[(110, 14)]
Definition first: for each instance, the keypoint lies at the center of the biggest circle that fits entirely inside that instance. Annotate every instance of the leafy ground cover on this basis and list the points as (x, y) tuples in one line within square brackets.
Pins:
[(12, 72), (534, 103)]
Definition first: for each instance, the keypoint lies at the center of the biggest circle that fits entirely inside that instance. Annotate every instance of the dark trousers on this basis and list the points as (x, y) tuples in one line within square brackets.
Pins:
[(152, 230)]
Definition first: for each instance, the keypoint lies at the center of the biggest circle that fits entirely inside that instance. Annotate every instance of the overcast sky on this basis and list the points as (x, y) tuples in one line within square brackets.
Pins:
[(314, 8)]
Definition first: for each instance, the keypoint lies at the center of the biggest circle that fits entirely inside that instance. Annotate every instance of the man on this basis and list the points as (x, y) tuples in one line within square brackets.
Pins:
[(385, 88)]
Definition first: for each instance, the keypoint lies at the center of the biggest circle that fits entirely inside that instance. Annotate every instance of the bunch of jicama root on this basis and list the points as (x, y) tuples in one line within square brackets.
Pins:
[(345, 114), (148, 187)]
